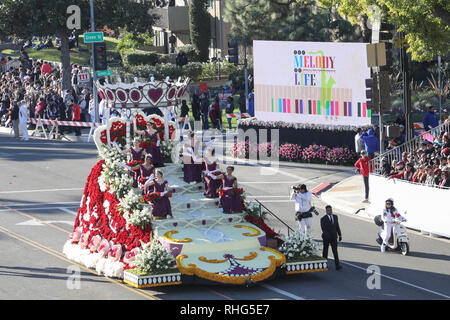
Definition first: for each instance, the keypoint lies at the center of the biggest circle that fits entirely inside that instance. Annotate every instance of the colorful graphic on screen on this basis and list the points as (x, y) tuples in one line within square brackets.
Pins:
[(311, 82)]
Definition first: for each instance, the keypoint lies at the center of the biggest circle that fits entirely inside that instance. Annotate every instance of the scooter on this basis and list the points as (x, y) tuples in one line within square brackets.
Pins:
[(399, 240)]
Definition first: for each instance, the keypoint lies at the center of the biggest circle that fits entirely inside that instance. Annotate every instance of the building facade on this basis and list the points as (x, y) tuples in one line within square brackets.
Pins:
[(173, 26)]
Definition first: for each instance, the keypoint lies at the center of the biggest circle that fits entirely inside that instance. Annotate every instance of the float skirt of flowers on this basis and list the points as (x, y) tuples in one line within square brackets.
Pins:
[(200, 245)]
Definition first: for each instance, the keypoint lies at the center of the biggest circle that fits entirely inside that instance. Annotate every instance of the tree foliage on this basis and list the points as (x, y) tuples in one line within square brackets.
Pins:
[(27, 18), (425, 22), (200, 28), (287, 20)]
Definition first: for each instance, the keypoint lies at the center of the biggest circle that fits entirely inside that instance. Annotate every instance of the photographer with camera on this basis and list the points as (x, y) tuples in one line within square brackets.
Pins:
[(303, 208)]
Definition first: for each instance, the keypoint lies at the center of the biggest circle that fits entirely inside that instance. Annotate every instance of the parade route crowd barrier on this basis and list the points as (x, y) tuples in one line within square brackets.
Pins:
[(427, 207), (238, 115), (55, 124)]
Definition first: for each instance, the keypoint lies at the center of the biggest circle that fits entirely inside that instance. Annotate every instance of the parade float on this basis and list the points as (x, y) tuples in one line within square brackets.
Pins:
[(115, 233)]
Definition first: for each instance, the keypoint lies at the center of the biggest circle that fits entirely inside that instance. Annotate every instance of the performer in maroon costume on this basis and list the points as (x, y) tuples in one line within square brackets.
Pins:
[(193, 169), (161, 207), (212, 182), (136, 155), (154, 147), (231, 202), (146, 170)]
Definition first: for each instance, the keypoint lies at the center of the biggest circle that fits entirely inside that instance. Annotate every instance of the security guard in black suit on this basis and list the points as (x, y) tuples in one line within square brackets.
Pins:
[(330, 232)]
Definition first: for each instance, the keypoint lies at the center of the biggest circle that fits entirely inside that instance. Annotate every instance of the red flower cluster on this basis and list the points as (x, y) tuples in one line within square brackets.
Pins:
[(145, 144), (134, 163), (142, 180), (152, 197), (262, 225), (112, 226), (140, 121), (155, 196), (118, 130)]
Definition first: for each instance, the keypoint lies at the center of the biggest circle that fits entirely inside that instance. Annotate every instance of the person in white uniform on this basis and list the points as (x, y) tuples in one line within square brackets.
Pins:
[(23, 119), (390, 213), (302, 199)]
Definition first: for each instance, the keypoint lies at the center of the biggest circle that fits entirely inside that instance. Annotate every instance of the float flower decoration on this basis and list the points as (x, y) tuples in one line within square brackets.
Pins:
[(100, 215), (154, 258), (298, 245)]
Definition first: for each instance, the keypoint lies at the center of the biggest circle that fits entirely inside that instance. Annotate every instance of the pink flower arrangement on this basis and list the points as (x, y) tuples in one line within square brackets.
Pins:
[(95, 243), (76, 235), (315, 153), (290, 152), (115, 253), (104, 248), (84, 240), (130, 256), (294, 152)]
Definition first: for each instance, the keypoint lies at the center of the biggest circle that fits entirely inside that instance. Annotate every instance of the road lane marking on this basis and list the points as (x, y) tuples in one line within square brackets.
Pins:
[(282, 292), (36, 219), (40, 190), (249, 196), (69, 211), (39, 209), (34, 222), (266, 182), (398, 280), (62, 257)]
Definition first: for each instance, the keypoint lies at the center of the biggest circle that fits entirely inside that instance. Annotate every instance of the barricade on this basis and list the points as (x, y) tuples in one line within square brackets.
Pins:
[(238, 116), (40, 123), (426, 207)]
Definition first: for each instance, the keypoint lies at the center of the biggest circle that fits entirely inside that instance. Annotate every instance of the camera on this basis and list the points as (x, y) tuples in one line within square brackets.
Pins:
[(313, 209)]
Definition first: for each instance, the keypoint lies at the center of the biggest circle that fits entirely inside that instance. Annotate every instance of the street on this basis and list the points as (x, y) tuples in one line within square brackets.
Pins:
[(41, 183)]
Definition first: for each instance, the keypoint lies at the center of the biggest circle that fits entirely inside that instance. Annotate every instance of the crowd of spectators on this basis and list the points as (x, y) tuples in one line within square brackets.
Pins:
[(39, 83), (429, 164)]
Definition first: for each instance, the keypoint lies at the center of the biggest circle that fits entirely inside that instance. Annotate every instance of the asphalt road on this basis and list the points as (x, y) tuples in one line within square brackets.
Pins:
[(41, 183)]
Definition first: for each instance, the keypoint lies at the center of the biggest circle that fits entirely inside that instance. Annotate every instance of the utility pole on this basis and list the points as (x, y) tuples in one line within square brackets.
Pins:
[(406, 91), (246, 76), (94, 73), (376, 25), (440, 89)]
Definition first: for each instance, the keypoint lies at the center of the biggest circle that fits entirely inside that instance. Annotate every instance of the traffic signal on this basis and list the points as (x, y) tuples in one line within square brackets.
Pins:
[(372, 94), (101, 62), (387, 33), (233, 52)]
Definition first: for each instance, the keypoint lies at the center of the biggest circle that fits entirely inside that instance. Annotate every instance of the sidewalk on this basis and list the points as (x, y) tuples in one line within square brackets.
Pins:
[(347, 196)]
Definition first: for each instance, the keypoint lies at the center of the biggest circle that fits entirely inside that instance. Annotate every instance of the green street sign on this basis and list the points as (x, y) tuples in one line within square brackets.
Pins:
[(90, 37), (104, 73)]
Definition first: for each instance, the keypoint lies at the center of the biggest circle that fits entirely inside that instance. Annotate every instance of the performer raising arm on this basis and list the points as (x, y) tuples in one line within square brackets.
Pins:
[(155, 142)]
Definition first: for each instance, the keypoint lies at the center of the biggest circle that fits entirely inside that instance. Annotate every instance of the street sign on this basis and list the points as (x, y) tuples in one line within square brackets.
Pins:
[(203, 87), (376, 54), (90, 37), (104, 73), (83, 77)]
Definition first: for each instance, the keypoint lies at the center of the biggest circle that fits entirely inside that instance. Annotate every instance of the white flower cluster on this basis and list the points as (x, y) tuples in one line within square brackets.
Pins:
[(139, 217), (135, 210), (281, 124), (131, 203), (154, 257), (298, 245), (120, 181), (170, 150)]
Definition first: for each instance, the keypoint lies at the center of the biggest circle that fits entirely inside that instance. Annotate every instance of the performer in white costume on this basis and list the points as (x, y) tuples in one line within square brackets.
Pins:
[(23, 118)]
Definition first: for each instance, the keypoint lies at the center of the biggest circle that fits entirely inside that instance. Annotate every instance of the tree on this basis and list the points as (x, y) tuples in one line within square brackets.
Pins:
[(287, 20), (425, 22), (200, 28), (27, 18)]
